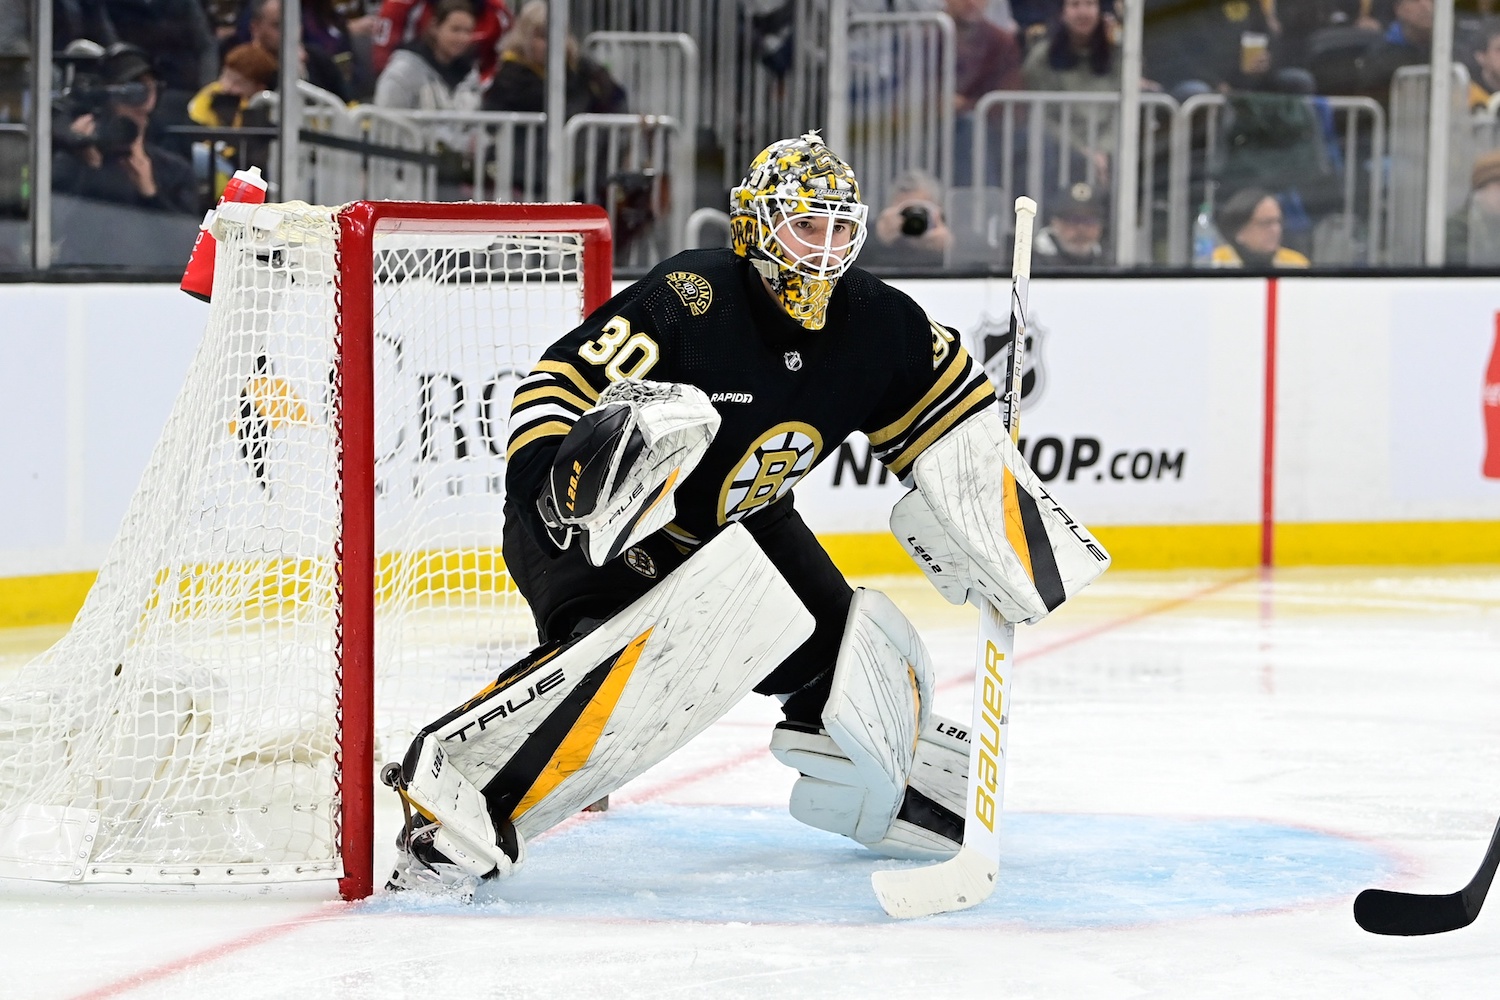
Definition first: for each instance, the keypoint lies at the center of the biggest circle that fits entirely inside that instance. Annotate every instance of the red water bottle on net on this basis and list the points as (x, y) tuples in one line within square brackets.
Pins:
[(1492, 409), (198, 279)]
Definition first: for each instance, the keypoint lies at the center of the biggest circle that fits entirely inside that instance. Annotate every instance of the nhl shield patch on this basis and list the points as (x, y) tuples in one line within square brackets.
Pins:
[(793, 360)]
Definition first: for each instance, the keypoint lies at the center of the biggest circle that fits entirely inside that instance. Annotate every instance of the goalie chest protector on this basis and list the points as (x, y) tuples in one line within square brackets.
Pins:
[(787, 396)]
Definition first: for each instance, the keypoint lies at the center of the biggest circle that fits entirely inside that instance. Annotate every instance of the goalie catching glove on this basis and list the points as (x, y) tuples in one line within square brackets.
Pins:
[(980, 522), (612, 479)]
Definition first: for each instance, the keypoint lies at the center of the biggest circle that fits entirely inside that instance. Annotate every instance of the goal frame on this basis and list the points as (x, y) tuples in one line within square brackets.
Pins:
[(354, 428)]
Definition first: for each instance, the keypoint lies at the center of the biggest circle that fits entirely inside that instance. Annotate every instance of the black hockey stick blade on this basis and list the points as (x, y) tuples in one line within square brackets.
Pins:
[(1381, 911)]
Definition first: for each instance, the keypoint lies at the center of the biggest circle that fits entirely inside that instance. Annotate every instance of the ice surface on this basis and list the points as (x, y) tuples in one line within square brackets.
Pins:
[(1205, 769)]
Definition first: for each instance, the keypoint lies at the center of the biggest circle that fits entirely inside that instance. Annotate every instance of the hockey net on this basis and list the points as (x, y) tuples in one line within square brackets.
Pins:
[(324, 508)]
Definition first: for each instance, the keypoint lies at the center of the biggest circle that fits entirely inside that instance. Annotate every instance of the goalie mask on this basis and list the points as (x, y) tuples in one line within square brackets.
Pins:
[(798, 219)]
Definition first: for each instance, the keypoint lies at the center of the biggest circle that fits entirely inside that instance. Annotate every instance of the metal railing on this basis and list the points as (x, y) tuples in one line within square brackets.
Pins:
[(1355, 161), (639, 168), (901, 81), (1412, 193), (741, 75), (658, 69), (1035, 143)]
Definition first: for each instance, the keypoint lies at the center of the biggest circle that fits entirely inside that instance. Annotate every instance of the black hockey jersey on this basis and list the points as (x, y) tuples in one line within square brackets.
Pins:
[(787, 396)]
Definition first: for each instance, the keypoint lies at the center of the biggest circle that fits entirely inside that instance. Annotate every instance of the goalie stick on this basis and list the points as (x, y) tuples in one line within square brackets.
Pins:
[(968, 878), (1383, 911)]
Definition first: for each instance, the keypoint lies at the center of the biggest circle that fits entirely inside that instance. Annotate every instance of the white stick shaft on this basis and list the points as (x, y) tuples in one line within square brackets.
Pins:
[(968, 878), (994, 655), (1020, 286)]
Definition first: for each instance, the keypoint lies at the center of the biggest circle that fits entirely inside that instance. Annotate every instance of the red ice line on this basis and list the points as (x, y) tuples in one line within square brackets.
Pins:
[(210, 954)]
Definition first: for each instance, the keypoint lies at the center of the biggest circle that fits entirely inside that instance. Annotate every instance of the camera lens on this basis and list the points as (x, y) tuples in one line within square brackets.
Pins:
[(914, 220)]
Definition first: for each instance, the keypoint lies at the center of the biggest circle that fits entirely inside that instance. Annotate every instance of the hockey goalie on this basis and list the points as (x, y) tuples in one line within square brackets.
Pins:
[(650, 526)]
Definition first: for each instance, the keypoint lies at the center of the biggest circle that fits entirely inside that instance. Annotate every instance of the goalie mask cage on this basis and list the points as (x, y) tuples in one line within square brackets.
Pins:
[(311, 563)]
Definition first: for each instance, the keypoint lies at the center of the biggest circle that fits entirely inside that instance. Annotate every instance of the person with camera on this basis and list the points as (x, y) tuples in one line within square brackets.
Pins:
[(911, 230), (105, 155)]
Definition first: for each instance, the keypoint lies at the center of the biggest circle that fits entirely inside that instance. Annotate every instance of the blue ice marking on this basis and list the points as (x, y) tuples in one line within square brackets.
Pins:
[(1059, 871)]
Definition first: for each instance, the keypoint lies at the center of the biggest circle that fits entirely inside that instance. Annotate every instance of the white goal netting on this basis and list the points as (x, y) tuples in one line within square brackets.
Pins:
[(188, 727)]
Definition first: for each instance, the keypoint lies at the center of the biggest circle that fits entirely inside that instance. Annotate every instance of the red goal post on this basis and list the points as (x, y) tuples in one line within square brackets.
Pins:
[(358, 225)]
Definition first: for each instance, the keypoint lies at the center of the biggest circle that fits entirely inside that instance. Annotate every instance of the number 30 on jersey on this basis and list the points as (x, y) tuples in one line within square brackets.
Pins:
[(622, 353)]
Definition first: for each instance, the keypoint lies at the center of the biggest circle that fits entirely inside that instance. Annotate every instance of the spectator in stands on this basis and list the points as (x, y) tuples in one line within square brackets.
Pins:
[(1079, 55), (1325, 37), (1486, 80), (521, 81), (248, 70), (176, 33), (1074, 233), (911, 230), (1250, 222), (1406, 42), (1201, 47), (404, 21), (1474, 230), (105, 155), (326, 28), (986, 58), (436, 72), (317, 67), (1032, 19)]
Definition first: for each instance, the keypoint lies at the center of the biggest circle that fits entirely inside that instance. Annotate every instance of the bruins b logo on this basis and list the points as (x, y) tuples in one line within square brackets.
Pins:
[(769, 469)]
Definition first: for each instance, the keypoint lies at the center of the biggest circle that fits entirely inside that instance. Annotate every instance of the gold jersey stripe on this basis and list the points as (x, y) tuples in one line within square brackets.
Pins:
[(957, 412), (571, 374), (550, 428), (950, 374), (551, 392), (576, 747)]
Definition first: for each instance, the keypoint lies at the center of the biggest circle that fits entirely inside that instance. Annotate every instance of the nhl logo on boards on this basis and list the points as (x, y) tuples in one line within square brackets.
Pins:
[(640, 560), (693, 289), (993, 338), (793, 360)]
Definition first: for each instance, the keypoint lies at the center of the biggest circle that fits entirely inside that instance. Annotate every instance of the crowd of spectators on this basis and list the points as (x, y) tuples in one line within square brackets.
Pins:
[(157, 102), (137, 75)]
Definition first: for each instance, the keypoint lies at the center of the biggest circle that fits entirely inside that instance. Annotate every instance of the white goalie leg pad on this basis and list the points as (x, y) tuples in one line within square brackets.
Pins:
[(571, 723), (979, 520), (614, 474), (856, 769), (929, 824)]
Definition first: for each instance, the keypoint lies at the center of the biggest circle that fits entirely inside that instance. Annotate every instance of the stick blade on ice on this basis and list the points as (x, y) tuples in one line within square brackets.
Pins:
[(964, 880), (1381, 911), (1408, 914)]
